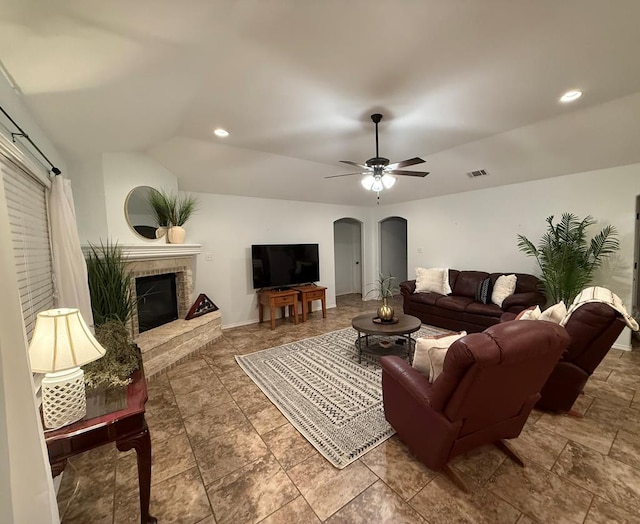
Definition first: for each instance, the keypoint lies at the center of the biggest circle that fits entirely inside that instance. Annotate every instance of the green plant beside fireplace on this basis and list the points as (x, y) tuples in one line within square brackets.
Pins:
[(113, 304)]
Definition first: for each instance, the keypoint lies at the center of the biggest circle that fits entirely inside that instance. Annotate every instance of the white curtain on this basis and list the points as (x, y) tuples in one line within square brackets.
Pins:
[(26, 487), (69, 266)]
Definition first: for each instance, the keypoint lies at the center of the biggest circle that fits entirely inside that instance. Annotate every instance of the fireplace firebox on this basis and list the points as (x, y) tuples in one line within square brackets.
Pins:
[(157, 300)]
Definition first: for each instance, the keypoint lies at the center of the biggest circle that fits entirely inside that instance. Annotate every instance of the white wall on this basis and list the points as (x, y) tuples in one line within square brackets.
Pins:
[(87, 183), (478, 229), (12, 104), (122, 172), (227, 226)]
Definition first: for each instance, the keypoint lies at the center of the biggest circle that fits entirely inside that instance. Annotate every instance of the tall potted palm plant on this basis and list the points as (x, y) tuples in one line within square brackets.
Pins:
[(567, 259)]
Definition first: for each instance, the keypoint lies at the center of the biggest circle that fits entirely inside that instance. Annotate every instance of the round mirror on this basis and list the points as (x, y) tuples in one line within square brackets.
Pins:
[(139, 213)]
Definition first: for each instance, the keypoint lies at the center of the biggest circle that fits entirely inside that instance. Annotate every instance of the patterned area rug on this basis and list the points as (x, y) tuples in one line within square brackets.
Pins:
[(333, 401)]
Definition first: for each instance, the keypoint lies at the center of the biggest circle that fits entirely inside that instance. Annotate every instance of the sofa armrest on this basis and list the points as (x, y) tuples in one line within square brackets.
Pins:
[(408, 287), (521, 301)]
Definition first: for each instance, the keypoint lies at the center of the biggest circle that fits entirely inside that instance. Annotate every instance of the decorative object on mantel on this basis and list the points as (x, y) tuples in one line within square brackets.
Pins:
[(160, 205), (172, 211), (201, 306), (61, 343), (139, 213)]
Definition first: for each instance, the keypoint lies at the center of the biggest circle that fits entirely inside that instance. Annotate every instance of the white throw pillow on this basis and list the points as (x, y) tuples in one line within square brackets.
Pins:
[(504, 287), (555, 313), (422, 359), (434, 279), (529, 314), (437, 355)]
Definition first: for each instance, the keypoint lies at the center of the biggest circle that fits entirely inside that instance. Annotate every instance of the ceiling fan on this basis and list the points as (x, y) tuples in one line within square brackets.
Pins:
[(379, 173)]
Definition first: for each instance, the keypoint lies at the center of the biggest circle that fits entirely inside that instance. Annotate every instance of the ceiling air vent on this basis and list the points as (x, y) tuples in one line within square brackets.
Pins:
[(479, 172)]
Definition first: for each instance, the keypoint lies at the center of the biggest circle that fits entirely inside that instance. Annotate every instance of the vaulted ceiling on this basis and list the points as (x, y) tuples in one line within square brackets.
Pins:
[(465, 84)]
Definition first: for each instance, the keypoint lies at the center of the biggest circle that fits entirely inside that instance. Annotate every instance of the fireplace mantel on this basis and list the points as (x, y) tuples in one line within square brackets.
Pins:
[(156, 251)]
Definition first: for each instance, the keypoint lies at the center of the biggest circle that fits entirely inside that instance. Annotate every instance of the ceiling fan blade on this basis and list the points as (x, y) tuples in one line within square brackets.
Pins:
[(363, 166), (346, 174), (406, 163), (405, 173)]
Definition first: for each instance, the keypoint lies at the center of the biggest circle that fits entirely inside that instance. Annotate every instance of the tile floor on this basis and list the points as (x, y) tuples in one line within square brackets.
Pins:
[(222, 453)]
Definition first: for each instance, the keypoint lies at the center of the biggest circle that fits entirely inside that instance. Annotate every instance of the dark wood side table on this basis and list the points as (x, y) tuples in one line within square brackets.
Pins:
[(113, 415), (307, 295), (282, 299)]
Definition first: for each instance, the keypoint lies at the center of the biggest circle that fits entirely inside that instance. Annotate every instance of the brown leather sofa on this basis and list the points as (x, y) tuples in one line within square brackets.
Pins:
[(488, 386), (459, 310)]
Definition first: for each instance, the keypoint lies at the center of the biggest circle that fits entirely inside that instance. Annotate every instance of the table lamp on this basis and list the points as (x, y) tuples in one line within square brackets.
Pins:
[(61, 343)]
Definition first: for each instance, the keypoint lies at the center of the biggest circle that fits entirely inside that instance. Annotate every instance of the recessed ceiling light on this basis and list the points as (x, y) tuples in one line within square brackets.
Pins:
[(570, 96), (221, 132)]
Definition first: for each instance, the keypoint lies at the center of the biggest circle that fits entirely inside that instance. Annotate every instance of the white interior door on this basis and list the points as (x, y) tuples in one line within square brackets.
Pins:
[(347, 253)]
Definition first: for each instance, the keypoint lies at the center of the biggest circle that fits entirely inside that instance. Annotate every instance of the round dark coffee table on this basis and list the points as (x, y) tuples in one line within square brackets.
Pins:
[(365, 325)]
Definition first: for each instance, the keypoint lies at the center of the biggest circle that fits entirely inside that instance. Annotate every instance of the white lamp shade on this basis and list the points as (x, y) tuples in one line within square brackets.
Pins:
[(62, 340), (367, 181), (377, 184), (388, 181)]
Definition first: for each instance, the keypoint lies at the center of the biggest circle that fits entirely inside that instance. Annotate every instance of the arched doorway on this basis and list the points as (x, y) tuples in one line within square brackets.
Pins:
[(393, 248), (347, 240)]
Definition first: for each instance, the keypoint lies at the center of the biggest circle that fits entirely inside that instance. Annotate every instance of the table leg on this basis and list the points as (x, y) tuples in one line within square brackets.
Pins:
[(272, 310), (295, 310), (141, 442), (304, 310), (260, 313), (324, 307), (409, 347), (359, 346)]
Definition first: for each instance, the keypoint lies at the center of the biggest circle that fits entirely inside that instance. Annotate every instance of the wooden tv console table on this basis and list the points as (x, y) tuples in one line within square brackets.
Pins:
[(310, 293), (282, 299), (273, 299)]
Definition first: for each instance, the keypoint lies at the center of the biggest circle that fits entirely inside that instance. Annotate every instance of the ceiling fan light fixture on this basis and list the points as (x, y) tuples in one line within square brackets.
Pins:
[(367, 182), (377, 185), (388, 181), (221, 132)]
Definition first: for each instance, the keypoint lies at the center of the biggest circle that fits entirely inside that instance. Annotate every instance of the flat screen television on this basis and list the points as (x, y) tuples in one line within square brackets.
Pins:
[(282, 265)]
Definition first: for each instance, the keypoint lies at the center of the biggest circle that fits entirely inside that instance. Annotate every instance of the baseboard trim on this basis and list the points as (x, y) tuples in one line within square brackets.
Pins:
[(255, 320), (622, 347)]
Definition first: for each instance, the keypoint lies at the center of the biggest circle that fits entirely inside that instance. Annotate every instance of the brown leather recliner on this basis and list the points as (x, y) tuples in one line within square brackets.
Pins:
[(489, 384), (593, 328)]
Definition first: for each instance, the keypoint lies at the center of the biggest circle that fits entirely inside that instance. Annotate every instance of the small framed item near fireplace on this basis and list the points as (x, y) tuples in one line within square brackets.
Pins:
[(157, 300)]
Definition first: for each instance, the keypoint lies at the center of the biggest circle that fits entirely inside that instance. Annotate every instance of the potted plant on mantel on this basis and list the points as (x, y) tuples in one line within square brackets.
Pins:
[(171, 212)]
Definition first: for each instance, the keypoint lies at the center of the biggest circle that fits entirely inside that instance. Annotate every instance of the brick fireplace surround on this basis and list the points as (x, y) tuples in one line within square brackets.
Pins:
[(163, 346)]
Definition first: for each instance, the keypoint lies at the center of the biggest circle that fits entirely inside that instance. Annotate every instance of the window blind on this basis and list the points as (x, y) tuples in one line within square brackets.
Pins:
[(27, 206)]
